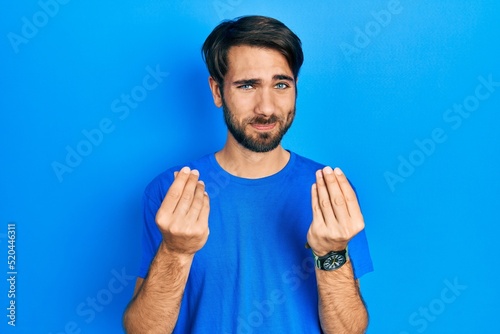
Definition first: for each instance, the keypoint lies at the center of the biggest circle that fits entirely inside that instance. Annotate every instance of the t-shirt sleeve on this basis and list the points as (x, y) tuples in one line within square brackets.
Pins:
[(359, 253), (358, 249), (151, 235)]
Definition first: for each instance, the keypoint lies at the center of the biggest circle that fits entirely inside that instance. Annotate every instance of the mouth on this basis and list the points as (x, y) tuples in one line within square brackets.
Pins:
[(263, 127)]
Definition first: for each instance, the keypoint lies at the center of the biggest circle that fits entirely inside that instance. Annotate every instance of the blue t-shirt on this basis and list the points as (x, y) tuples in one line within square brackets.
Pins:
[(254, 274)]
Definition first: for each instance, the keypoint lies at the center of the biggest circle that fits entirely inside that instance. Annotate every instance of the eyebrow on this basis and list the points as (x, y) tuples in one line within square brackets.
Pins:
[(246, 82), (283, 77), (276, 77)]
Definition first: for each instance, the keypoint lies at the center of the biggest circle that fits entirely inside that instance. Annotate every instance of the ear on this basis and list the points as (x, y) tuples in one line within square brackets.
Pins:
[(216, 93)]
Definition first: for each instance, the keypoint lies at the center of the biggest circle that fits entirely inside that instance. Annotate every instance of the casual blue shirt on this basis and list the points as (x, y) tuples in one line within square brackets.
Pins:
[(254, 274)]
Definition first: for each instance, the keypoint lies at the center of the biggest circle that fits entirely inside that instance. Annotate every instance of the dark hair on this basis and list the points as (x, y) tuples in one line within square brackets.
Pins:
[(259, 31)]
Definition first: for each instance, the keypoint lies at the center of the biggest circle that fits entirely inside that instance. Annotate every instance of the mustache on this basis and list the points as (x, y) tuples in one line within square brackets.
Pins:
[(264, 120)]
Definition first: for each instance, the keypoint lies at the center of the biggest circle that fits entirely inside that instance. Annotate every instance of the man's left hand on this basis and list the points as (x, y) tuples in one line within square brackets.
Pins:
[(337, 216)]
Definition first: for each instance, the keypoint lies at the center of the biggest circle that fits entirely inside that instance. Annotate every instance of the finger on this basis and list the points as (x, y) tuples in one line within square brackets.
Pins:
[(349, 194), (205, 210), (174, 193), (336, 195), (316, 210), (325, 204), (197, 204), (187, 196)]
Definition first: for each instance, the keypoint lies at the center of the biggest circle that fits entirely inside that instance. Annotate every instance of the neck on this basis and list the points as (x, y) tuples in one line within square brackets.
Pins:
[(241, 162)]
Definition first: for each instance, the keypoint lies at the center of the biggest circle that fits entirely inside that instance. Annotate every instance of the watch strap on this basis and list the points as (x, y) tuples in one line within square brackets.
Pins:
[(331, 261)]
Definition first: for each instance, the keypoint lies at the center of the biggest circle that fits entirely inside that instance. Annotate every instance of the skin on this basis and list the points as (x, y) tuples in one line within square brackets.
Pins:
[(183, 221), (259, 83), (253, 88), (337, 219)]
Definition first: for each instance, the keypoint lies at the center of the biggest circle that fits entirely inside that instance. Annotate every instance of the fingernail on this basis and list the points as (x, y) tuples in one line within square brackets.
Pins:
[(328, 170), (338, 171), (195, 172), (201, 182), (175, 174), (185, 170), (319, 173)]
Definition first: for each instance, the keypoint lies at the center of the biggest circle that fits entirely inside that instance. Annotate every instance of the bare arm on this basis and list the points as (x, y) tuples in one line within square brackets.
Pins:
[(183, 221), (341, 308), (155, 307), (337, 219)]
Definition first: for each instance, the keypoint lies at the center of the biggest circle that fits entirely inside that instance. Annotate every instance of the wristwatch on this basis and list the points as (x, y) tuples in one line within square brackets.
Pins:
[(331, 261)]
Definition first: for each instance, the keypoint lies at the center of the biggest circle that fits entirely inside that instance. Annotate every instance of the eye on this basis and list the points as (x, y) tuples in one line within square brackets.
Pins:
[(282, 85), (245, 86)]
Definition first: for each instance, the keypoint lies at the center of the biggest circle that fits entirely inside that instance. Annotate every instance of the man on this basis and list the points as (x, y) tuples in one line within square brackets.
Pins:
[(261, 203)]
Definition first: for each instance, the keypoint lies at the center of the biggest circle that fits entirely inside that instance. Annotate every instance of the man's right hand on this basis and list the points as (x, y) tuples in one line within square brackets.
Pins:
[(183, 221), (183, 215)]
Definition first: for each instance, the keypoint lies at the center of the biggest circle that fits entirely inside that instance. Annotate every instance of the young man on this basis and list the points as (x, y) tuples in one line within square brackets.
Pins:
[(223, 245)]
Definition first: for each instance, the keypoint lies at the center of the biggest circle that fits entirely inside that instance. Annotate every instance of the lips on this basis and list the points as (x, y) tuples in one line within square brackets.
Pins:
[(263, 127)]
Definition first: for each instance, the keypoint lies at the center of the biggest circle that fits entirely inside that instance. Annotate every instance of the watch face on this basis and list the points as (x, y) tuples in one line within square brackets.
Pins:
[(334, 261)]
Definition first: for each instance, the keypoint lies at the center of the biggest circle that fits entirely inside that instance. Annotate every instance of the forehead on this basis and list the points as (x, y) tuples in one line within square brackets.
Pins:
[(256, 62)]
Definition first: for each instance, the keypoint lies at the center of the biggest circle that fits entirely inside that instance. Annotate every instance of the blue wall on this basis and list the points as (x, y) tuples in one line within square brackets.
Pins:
[(97, 98)]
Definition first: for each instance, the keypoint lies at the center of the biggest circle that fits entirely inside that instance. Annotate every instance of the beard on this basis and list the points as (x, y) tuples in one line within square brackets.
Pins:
[(262, 141)]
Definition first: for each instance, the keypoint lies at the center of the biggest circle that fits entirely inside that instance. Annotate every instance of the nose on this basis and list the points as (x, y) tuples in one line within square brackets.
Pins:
[(265, 104)]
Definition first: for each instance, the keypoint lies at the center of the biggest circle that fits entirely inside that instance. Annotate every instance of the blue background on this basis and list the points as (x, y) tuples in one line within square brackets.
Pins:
[(369, 92)]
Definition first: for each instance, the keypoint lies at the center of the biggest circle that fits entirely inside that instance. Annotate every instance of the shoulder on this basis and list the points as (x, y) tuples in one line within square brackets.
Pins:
[(303, 163), (302, 170), (158, 187)]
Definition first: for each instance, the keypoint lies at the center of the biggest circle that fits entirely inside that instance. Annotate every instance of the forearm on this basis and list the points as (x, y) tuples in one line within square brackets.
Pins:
[(155, 307), (341, 308)]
